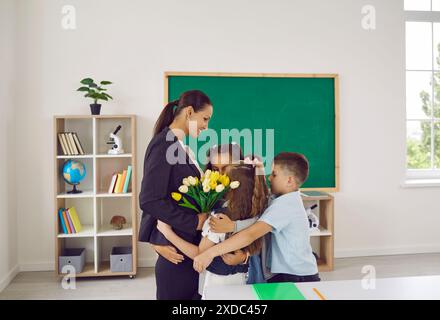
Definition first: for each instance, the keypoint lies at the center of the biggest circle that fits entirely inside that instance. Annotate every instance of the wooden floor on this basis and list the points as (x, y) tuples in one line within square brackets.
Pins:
[(45, 285)]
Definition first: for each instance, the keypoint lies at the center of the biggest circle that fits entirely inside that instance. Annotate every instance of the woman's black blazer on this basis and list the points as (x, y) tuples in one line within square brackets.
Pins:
[(160, 179)]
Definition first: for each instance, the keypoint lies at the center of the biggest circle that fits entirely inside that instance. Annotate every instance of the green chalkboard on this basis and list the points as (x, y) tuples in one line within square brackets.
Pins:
[(300, 109)]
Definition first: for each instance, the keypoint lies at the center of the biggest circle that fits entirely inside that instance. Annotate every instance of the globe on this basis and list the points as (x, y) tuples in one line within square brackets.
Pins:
[(73, 173)]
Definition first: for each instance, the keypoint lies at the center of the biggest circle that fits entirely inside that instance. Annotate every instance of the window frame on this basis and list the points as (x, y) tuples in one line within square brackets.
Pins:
[(431, 176)]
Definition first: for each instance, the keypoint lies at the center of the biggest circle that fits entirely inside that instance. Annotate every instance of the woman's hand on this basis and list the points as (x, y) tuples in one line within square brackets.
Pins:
[(164, 228), (233, 259), (202, 218), (221, 224), (169, 253)]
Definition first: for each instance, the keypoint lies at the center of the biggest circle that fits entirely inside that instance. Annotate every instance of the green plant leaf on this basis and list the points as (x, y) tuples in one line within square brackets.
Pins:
[(87, 81), (93, 85), (83, 89), (106, 82), (107, 95)]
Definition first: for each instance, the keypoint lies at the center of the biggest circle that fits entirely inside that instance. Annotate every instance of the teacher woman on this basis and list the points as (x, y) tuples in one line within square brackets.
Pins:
[(175, 276)]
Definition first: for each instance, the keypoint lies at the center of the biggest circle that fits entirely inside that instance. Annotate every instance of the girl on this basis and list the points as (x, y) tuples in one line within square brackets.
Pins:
[(219, 156), (248, 201), (175, 276)]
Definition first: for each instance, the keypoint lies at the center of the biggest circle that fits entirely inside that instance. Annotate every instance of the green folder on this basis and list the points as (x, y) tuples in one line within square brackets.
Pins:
[(277, 291)]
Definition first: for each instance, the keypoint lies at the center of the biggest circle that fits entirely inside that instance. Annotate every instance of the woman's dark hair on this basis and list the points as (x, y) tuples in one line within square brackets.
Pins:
[(195, 98), (233, 149)]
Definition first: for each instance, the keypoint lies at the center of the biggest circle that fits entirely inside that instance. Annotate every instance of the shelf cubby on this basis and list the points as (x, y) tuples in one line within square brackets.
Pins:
[(105, 126), (109, 207), (105, 245), (86, 185), (322, 241), (83, 126), (95, 206), (106, 167)]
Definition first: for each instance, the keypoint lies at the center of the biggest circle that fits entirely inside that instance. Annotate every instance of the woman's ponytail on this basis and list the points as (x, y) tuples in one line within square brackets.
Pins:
[(166, 116), (195, 98)]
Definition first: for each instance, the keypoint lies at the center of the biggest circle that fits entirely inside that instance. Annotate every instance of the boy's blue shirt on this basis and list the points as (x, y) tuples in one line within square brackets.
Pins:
[(290, 251)]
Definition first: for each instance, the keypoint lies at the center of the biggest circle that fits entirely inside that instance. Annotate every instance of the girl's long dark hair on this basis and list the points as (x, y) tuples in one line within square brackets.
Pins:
[(195, 98), (249, 200)]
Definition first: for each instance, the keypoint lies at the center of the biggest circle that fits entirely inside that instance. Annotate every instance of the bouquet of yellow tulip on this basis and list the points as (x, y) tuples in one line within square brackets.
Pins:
[(205, 192)]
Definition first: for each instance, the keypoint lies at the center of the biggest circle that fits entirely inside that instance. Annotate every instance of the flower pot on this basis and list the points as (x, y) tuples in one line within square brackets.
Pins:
[(95, 108)]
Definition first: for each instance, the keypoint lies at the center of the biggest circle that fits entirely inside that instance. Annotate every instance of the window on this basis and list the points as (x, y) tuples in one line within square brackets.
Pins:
[(422, 27)]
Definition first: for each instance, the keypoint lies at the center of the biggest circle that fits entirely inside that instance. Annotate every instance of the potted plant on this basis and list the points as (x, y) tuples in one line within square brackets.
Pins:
[(95, 92)]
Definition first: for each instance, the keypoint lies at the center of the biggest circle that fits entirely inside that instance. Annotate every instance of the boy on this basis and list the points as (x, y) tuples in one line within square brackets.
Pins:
[(289, 257)]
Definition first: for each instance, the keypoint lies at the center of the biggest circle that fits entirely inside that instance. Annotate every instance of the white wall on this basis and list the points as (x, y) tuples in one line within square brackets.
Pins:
[(133, 42), (8, 211)]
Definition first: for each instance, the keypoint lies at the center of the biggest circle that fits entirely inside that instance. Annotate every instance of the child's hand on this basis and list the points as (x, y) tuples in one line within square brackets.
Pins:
[(202, 261), (164, 228), (221, 224)]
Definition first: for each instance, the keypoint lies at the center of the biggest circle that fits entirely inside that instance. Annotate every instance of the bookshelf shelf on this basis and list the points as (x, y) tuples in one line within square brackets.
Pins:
[(83, 194), (124, 155), (95, 206), (114, 195), (321, 233), (109, 232), (86, 231), (84, 156)]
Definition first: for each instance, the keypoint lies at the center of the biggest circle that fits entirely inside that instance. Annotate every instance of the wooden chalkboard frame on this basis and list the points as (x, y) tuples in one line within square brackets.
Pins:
[(335, 78)]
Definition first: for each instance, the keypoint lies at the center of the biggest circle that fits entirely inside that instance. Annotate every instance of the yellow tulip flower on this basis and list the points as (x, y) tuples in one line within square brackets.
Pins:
[(176, 196)]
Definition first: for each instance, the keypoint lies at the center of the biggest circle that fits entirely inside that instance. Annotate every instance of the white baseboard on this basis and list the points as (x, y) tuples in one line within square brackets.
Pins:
[(9, 277), (386, 251), (50, 266), (41, 266)]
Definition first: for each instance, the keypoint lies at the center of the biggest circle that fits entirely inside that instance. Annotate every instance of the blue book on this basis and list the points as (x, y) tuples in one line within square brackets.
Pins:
[(60, 213), (127, 180)]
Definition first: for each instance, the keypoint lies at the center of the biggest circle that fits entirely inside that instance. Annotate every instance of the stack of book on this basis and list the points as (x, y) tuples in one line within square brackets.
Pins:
[(70, 144), (120, 181), (69, 220)]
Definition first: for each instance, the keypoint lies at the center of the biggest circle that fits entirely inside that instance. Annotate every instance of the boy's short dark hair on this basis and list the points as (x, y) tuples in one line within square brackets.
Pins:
[(295, 163)]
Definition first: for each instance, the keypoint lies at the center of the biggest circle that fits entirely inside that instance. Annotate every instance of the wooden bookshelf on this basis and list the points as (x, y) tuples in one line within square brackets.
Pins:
[(323, 240), (95, 206)]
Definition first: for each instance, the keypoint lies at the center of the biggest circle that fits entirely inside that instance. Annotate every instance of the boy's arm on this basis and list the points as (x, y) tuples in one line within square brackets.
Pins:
[(237, 241)]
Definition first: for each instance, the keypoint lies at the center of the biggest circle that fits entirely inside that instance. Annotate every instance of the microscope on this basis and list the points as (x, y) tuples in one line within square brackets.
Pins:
[(116, 141)]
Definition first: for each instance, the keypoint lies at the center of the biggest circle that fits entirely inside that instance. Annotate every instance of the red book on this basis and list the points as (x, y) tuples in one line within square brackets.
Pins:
[(66, 222)]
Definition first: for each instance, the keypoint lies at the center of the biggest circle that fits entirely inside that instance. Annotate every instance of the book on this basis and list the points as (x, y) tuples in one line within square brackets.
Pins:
[(72, 142), (75, 219), (72, 151), (66, 223), (63, 136), (63, 226), (63, 147), (118, 183), (112, 183), (277, 291), (72, 228), (124, 176), (78, 143), (127, 180)]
